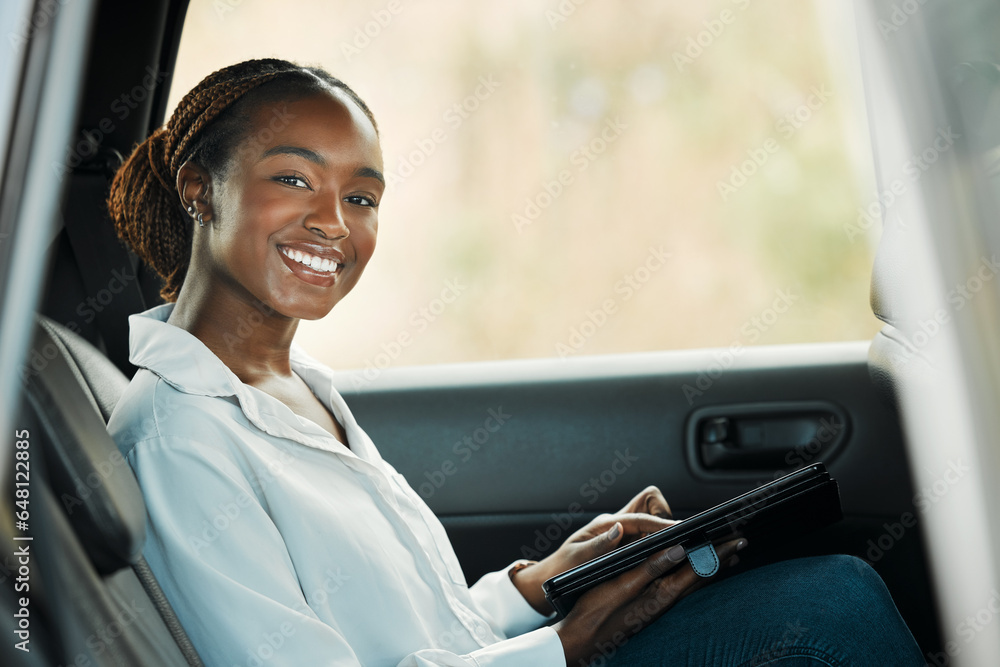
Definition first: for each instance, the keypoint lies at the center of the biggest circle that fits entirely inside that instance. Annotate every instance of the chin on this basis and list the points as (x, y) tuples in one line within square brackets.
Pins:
[(302, 309)]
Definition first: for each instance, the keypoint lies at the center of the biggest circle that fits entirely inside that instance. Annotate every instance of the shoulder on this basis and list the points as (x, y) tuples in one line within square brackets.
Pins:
[(152, 410)]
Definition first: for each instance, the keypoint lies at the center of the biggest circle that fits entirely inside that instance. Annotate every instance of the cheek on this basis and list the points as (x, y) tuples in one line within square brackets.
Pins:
[(248, 230), (364, 241)]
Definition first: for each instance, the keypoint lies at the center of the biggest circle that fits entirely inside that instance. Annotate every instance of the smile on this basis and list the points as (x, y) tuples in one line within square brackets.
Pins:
[(315, 263)]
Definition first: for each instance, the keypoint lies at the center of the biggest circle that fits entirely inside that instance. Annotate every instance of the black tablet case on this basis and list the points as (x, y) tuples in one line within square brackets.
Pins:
[(804, 500)]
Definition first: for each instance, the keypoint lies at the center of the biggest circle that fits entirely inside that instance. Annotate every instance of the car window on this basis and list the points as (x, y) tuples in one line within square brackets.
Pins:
[(576, 178)]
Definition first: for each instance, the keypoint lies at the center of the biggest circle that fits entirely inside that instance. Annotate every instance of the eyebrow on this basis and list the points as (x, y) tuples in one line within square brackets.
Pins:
[(313, 156), (370, 172)]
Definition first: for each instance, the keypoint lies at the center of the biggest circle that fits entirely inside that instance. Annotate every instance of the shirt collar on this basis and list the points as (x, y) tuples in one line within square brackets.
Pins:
[(188, 365), (177, 356)]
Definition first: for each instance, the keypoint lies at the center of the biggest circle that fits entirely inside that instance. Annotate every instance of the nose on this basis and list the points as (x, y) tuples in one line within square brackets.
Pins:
[(327, 219)]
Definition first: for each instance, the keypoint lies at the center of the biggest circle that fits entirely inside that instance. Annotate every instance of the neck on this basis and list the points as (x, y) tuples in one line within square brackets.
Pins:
[(248, 336)]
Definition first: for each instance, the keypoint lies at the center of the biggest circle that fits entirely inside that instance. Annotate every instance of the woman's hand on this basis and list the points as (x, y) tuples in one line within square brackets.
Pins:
[(647, 513), (650, 501), (610, 614)]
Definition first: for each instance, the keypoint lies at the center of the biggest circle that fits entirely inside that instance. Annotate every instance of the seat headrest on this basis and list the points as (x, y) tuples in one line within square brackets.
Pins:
[(102, 380), (87, 473)]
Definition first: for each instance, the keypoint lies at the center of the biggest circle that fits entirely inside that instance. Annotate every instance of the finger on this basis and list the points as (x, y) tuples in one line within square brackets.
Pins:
[(607, 541), (657, 565), (728, 549), (664, 593), (727, 558), (655, 599), (625, 587), (685, 581), (656, 504), (649, 501), (600, 523), (643, 523)]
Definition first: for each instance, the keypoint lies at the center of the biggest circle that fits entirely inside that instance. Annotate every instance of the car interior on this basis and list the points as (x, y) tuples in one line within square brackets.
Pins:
[(595, 429)]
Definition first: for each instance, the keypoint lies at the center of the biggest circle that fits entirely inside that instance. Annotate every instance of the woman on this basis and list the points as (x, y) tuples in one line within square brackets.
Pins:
[(276, 530)]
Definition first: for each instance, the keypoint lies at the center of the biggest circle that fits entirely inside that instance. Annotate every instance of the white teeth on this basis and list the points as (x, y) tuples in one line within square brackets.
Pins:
[(313, 262)]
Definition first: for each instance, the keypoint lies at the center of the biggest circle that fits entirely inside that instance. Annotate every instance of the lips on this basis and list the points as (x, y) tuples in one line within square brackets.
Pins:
[(314, 264)]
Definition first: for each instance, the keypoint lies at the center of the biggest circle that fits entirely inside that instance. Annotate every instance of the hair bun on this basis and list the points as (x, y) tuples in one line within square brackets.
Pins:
[(156, 153)]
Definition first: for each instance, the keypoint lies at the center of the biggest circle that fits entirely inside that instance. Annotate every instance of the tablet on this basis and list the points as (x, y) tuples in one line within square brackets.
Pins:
[(804, 500)]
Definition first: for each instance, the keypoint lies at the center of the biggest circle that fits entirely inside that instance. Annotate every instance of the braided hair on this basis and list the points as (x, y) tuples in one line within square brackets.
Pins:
[(206, 126)]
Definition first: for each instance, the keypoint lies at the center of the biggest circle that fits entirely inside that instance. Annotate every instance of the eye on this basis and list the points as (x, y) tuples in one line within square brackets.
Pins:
[(294, 181), (362, 200)]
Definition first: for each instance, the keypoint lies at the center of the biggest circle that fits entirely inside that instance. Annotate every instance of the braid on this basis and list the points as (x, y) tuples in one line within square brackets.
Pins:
[(144, 203)]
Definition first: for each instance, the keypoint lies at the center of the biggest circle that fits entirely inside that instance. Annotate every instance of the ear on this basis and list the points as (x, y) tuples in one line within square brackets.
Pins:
[(194, 187)]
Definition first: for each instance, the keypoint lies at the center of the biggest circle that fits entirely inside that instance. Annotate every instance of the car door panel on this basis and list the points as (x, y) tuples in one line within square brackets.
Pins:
[(531, 435), (513, 457)]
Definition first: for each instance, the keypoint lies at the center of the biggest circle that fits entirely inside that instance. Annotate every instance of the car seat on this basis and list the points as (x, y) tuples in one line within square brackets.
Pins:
[(93, 599)]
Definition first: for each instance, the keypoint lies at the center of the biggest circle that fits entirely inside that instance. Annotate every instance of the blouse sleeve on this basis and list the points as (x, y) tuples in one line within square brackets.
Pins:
[(496, 595)]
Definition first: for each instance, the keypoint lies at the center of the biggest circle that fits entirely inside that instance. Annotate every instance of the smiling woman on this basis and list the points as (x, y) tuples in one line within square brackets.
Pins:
[(242, 431)]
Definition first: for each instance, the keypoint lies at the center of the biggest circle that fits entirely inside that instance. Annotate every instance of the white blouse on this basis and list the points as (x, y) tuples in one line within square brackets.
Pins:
[(277, 545)]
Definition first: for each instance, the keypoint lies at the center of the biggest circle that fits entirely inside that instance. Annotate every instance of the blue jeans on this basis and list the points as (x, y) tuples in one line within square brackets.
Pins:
[(829, 610)]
